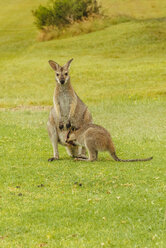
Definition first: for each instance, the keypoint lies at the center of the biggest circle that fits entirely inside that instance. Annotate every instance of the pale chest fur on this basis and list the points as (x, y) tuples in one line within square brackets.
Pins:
[(64, 100), (62, 103)]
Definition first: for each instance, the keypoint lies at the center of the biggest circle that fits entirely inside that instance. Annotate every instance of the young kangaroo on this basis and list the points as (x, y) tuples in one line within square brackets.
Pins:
[(67, 111), (95, 138)]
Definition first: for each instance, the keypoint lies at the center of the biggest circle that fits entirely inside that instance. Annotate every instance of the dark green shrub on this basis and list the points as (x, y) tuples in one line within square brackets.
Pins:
[(63, 12), (43, 16)]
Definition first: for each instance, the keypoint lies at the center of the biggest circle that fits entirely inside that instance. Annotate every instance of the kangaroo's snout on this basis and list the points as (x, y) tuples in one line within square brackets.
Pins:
[(70, 143), (62, 81)]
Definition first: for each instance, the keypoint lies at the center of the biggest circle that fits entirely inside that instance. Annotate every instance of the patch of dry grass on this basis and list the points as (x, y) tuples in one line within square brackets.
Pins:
[(85, 26)]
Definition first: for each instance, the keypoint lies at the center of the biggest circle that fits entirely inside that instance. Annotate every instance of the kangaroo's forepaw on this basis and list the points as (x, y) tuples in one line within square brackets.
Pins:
[(61, 125), (52, 159), (68, 125)]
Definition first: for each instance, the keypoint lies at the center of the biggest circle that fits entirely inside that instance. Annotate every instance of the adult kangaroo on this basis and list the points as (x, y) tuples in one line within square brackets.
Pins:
[(68, 111)]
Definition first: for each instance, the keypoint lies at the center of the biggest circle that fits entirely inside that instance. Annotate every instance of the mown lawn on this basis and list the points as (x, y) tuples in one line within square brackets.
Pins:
[(119, 72), (78, 204)]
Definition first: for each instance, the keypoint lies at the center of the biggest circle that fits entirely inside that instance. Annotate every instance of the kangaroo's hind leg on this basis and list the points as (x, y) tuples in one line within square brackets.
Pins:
[(54, 140), (92, 156), (82, 152), (91, 152), (72, 151)]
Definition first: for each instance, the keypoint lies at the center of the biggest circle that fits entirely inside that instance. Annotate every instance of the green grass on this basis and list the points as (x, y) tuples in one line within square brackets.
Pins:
[(125, 60), (119, 72), (118, 204), (142, 9)]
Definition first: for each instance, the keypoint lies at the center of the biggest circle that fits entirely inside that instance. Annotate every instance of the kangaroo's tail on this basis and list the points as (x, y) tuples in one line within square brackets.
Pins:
[(115, 157)]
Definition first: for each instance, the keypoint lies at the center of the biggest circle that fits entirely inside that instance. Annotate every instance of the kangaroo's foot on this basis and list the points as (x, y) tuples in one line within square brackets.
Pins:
[(52, 159), (81, 159), (81, 156)]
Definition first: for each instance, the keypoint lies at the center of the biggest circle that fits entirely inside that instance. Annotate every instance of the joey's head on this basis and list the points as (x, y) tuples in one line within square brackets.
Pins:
[(61, 72), (71, 138)]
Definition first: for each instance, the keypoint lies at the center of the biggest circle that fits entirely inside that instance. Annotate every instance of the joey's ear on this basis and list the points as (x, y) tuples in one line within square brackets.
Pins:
[(67, 65), (54, 65)]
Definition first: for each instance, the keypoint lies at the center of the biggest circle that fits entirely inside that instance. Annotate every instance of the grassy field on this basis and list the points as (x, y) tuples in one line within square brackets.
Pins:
[(120, 73)]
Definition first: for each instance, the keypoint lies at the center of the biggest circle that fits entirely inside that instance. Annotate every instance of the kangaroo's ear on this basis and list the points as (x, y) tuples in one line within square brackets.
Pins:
[(67, 65), (54, 65)]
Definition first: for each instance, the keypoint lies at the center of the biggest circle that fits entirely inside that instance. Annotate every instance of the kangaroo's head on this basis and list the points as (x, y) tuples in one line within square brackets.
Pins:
[(71, 138), (61, 72)]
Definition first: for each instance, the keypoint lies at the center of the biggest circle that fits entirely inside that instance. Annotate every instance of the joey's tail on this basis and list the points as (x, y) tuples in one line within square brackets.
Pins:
[(115, 157)]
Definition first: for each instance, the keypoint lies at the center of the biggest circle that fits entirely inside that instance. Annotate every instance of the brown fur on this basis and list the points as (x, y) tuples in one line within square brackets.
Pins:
[(68, 111), (95, 138)]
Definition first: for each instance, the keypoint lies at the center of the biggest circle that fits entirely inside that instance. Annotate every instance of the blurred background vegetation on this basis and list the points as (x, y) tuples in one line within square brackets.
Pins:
[(125, 57)]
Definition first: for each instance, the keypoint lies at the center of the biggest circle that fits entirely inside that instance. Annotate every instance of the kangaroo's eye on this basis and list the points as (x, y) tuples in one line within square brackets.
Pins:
[(66, 73), (57, 74)]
